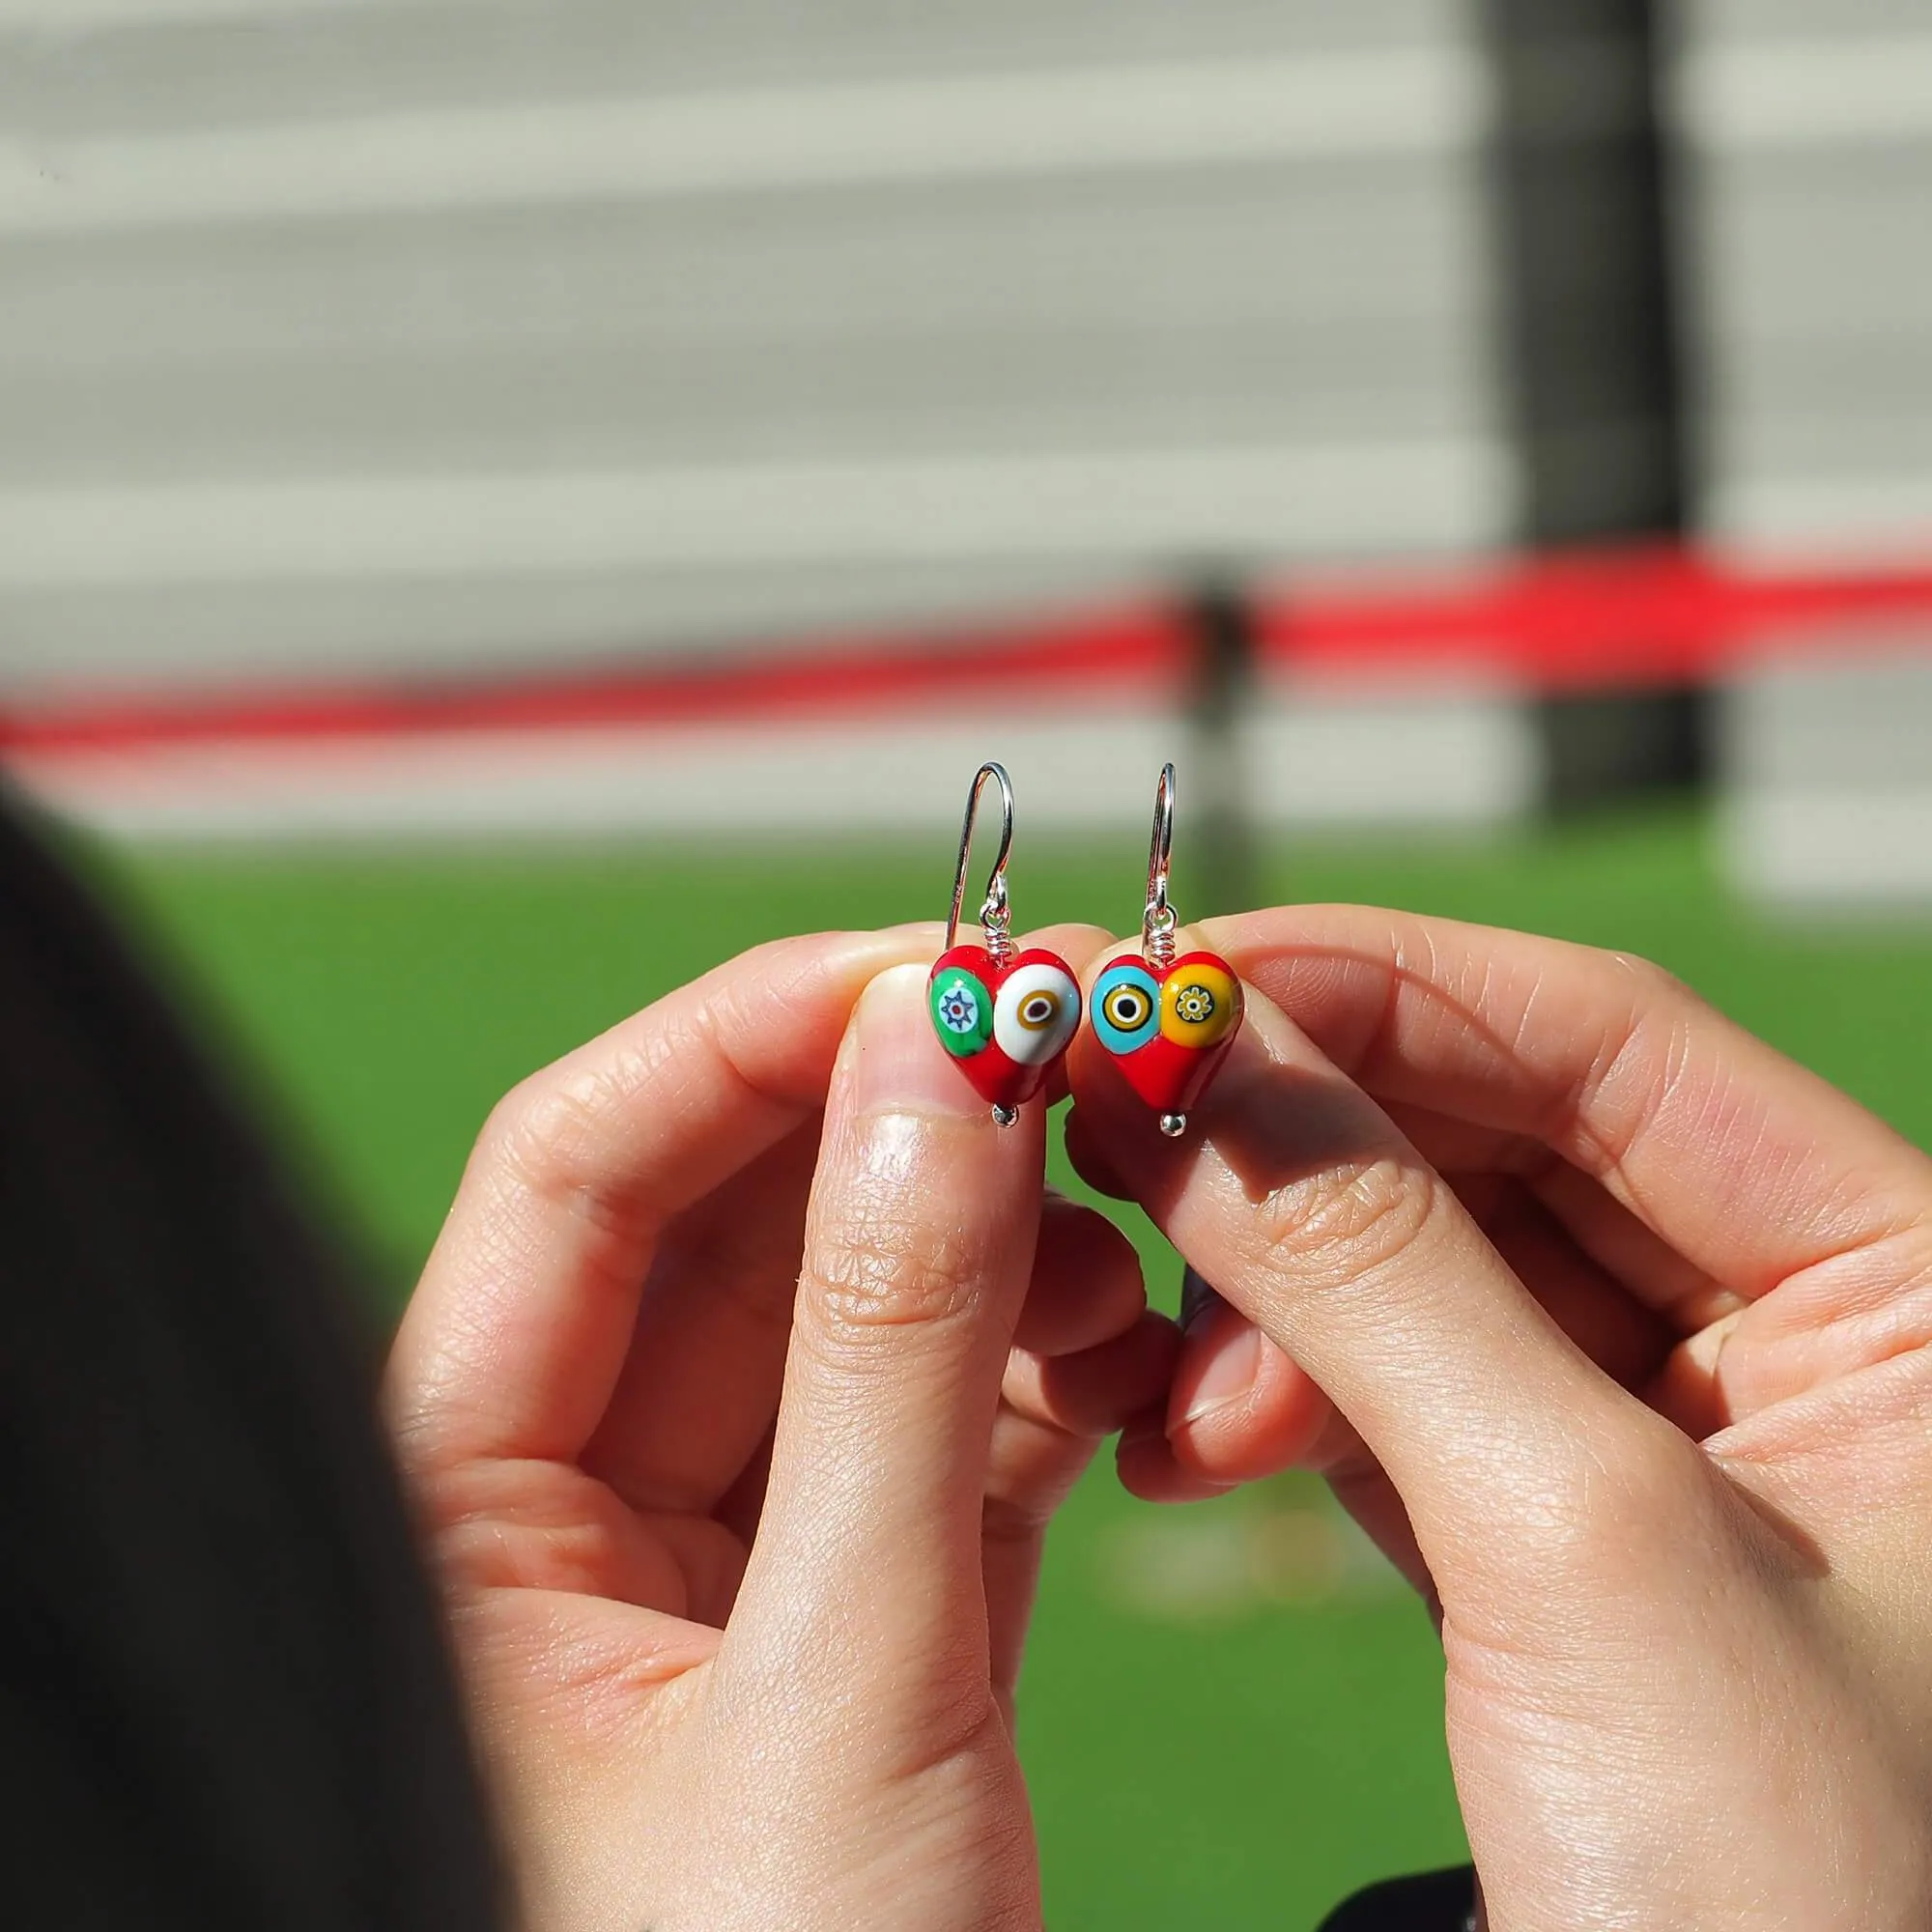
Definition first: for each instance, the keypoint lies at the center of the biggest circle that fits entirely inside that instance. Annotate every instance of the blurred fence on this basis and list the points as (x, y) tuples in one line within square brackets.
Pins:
[(440, 334), (1807, 135), (528, 360), (1391, 701)]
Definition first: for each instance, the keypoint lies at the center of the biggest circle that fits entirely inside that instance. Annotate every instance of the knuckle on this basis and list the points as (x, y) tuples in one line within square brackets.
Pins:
[(552, 1132), (1658, 994), (533, 1132), (1348, 1220), (887, 1266), (1649, 976), (544, 1135)]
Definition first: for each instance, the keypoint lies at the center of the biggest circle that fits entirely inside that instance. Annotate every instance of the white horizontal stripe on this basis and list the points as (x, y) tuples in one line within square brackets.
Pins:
[(1804, 94), (1821, 516), (71, 16), (1813, 849), (1163, 505), (1443, 757), (77, 639), (773, 140)]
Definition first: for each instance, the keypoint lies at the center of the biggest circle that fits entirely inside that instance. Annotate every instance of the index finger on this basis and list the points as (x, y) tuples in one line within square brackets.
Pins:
[(517, 1335), (1749, 1166), (515, 1338)]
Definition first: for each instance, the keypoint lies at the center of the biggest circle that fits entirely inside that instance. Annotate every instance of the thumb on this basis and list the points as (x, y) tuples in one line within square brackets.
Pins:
[(918, 1247)]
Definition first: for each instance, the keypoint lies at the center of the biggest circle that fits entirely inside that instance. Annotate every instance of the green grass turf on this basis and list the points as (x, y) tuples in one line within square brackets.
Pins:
[(1241, 1766)]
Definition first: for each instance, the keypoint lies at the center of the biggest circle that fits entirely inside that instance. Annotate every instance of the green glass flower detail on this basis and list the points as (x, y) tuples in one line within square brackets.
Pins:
[(963, 1011)]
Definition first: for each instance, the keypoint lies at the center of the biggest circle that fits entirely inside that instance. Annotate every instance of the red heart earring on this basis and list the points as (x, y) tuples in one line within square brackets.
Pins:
[(1005, 1018), (1168, 1021)]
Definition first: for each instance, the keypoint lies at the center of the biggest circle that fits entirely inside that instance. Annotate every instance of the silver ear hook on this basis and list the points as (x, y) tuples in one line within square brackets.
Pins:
[(996, 920), (1159, 920)]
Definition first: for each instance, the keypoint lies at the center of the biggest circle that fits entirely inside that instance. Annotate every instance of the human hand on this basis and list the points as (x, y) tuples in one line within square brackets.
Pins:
[(736, 1488), (1622, 1321)]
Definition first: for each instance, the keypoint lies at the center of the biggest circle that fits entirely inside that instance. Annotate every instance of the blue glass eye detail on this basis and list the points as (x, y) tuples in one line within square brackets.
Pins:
[(1126, 1006)]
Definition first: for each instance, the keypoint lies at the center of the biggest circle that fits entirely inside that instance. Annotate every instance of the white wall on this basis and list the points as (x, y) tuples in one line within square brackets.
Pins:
[(429, 336), (1811, 134)]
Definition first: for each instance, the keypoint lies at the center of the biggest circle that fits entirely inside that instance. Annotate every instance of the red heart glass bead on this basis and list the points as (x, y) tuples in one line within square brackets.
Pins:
[(1005, 1024), (1170, 1028)]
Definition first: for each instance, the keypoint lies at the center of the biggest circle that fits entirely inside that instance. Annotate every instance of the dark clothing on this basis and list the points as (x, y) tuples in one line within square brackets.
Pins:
[(1444, 1901), (224, 1694)]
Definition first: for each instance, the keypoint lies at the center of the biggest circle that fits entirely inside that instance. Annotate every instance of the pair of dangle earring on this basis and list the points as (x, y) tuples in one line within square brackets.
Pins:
[(1007, 1017)]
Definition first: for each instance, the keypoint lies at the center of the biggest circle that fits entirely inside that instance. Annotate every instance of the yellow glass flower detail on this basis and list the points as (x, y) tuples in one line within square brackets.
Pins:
[(1199, 1004)]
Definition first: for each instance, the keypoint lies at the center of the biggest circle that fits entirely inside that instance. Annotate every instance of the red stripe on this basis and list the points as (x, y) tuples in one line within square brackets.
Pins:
[(1113, 649), (1630, 618)]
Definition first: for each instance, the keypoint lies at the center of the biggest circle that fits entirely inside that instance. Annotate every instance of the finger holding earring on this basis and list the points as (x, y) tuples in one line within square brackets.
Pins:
[(1006, 1016), (1167, 1021)]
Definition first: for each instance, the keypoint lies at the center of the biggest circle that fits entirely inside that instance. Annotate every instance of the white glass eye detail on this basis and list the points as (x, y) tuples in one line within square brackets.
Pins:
[(1036, 1013)]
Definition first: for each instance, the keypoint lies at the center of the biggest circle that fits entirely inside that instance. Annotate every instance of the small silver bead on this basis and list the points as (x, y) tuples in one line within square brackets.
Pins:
[(1174, 1126), (1005, 1116)]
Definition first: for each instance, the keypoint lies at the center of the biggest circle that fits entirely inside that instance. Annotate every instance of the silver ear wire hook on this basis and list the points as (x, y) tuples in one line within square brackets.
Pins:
[(996, 919), (1159, 920)]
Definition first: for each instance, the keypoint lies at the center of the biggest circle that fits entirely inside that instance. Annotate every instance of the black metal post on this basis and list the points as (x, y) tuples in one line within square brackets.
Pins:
[(1212, 819), (1593, 339)]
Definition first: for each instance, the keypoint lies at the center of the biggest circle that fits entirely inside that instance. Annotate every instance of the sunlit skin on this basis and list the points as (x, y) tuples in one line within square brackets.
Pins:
[(1622, 1323), (737, 1436), (737, 1441)]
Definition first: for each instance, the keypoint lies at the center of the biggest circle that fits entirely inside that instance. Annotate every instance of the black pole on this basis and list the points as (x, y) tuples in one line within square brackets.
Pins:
[(1213, 815), (1584, 191)]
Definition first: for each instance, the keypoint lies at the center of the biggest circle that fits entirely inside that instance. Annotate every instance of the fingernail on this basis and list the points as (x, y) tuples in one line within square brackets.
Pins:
[(900, 1067), (1231, 1363)]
